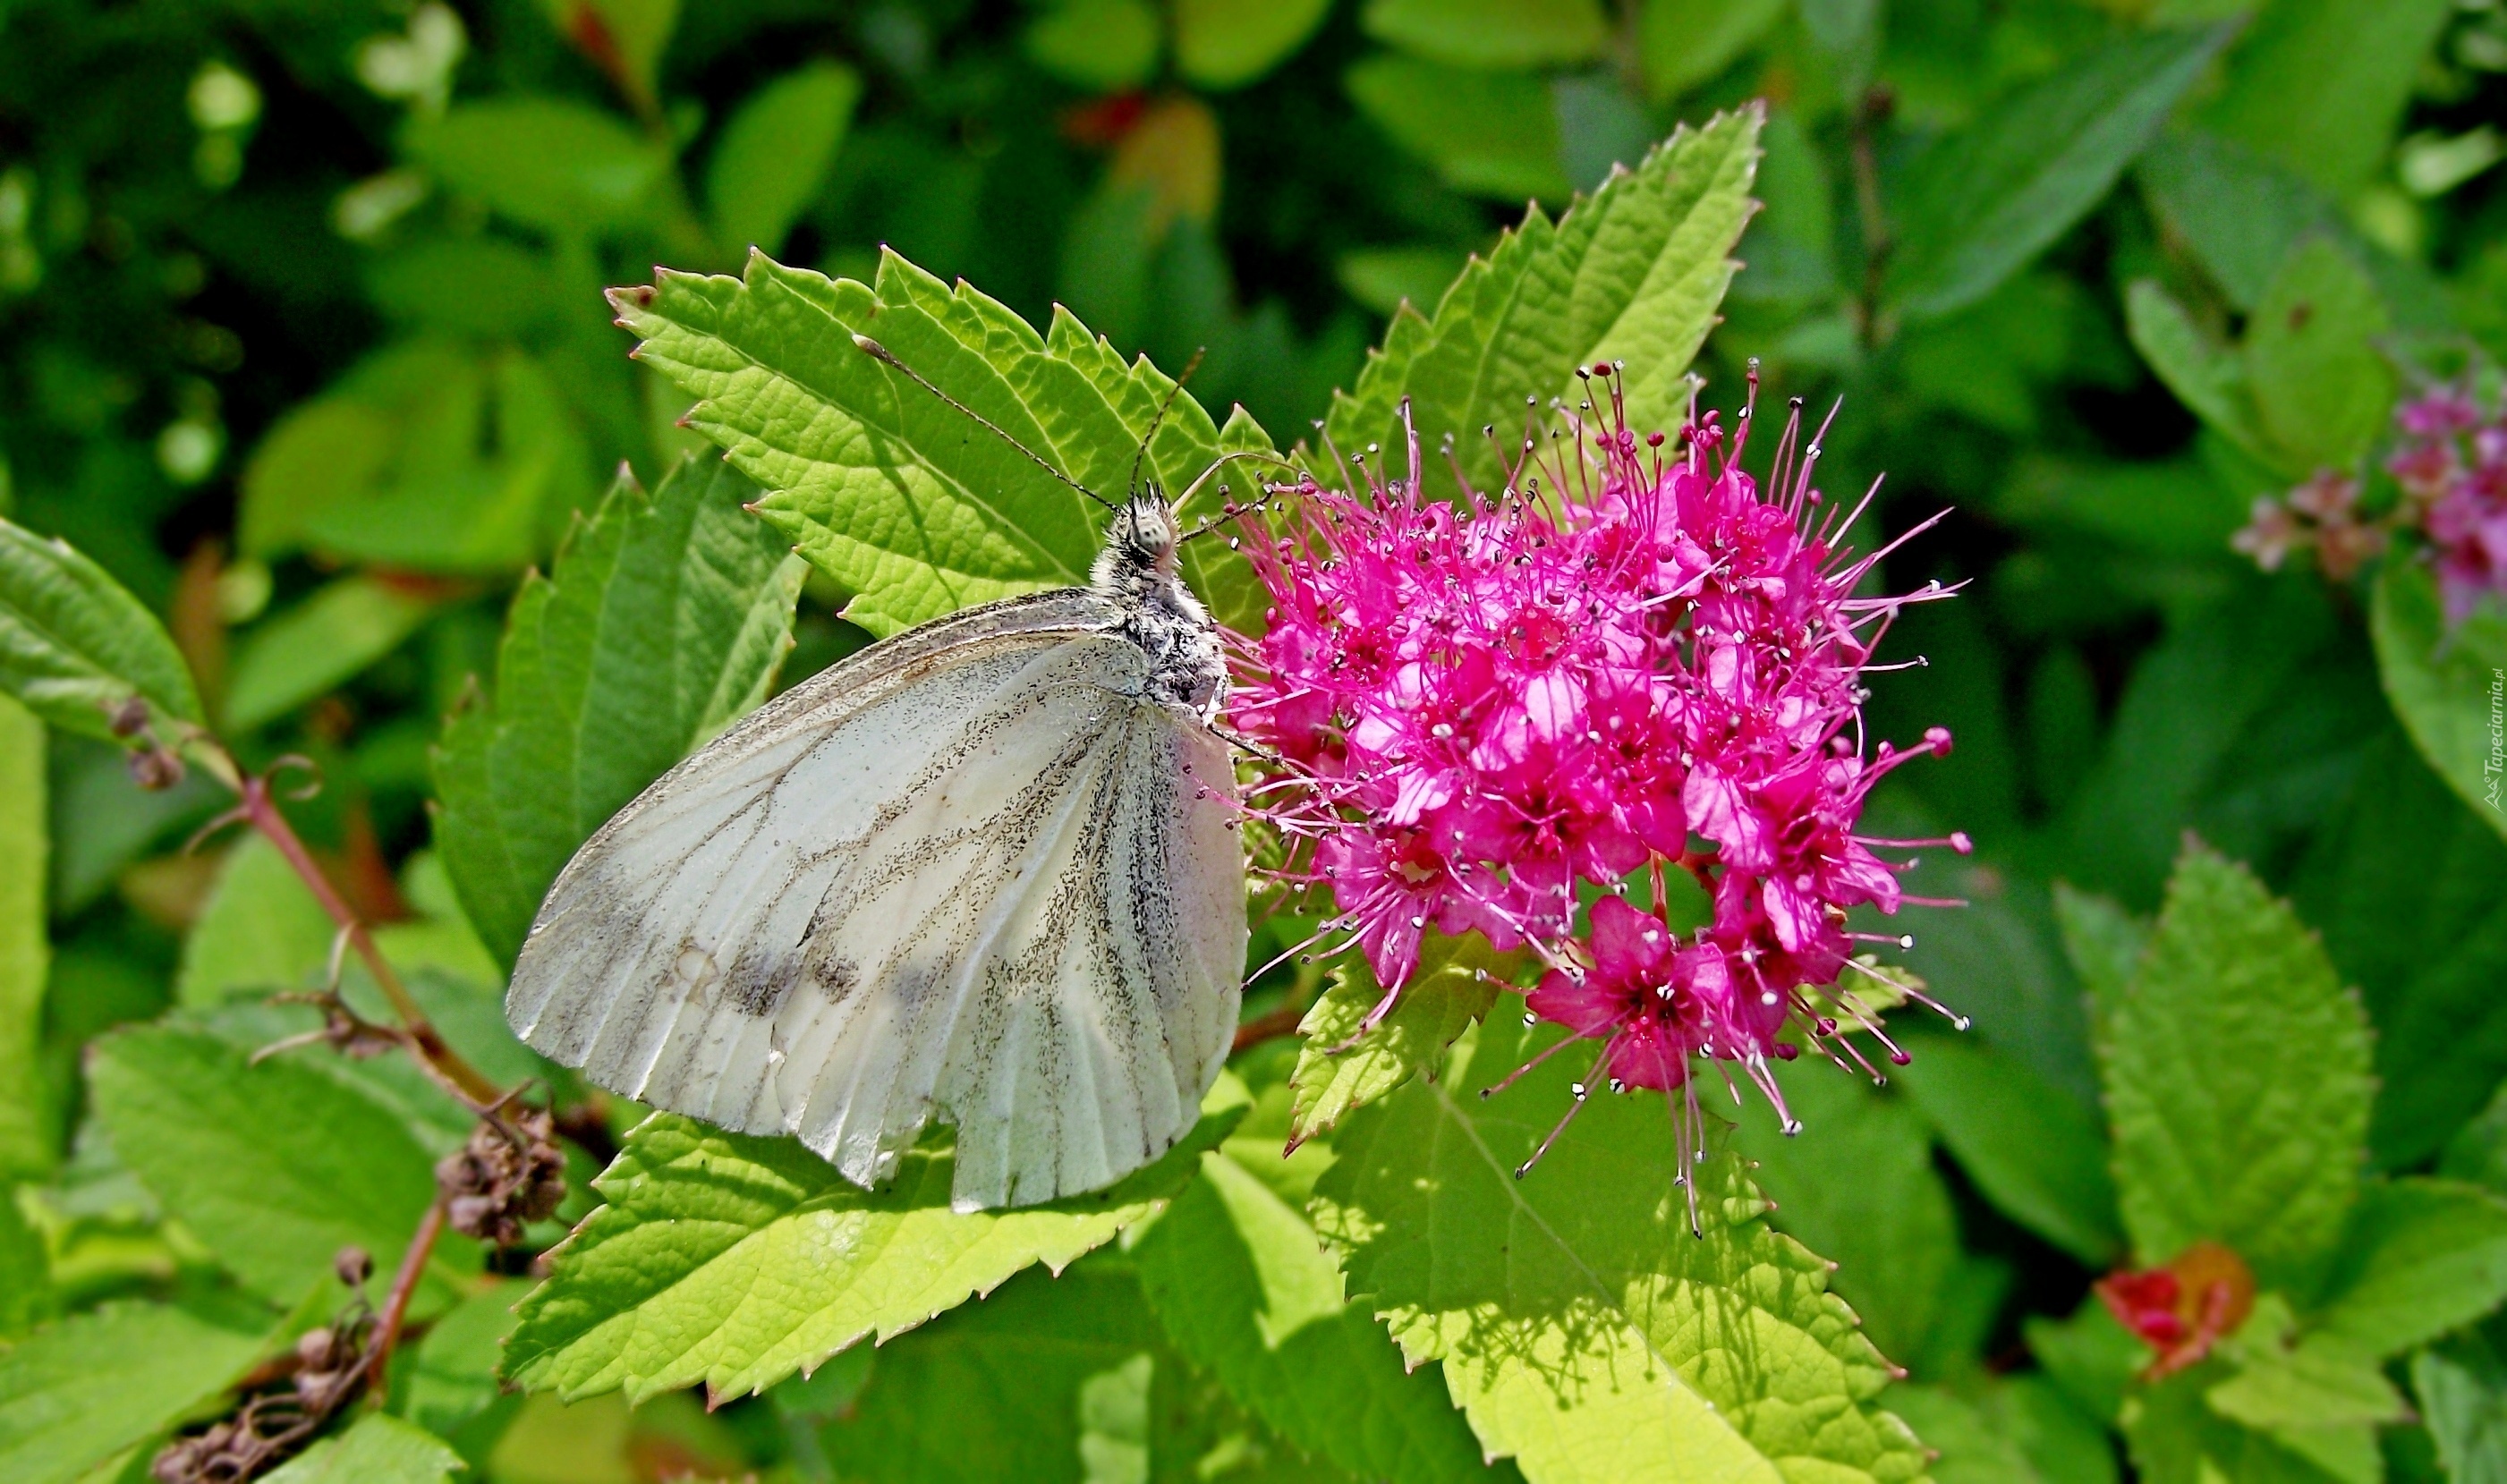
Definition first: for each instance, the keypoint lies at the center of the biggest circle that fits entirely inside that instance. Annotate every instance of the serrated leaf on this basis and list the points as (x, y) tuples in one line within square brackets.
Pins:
[(904, 502), (2462, 1392), (2031, 1149), (776, 150), (1490, 33), (2443, 680), (1579, 1288), (275, 1166), (1988, 199), (97, 1383), (2321, 387), (1633, 273), (2421, 1257), (75, 646), (2210, 380), (736, 1261), (2236, 1081), (27, 1137), (664, 619), (379, 1448), (1456, 982), (1241, 1286)]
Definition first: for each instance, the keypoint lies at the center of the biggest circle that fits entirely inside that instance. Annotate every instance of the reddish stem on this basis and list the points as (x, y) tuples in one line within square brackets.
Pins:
[(1262, 1028), (404, 1286), (263, 814)]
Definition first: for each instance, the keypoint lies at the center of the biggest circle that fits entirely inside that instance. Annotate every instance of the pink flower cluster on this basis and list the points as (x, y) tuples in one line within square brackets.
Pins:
[(1627, 662), (2452, 463)]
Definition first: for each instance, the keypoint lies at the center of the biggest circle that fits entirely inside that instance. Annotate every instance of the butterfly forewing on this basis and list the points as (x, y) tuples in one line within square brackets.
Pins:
[(969, 874)]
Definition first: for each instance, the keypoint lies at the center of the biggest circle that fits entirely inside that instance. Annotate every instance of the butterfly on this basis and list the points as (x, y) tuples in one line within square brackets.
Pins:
[(984, 871)]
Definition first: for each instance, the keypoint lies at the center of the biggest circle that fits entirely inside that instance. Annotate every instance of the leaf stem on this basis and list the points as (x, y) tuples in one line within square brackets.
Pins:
[(1876, 105), (404, 1286), (261, 811)]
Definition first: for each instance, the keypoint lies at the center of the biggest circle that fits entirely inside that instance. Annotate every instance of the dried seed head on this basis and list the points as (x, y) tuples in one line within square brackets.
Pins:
[(496, 1184)]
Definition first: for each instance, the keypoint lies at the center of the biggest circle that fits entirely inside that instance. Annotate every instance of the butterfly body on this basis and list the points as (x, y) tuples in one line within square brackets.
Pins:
[(983, 871)]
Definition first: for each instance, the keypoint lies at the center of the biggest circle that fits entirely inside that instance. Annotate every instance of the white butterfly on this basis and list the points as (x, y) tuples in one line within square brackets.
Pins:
[(982, 871)]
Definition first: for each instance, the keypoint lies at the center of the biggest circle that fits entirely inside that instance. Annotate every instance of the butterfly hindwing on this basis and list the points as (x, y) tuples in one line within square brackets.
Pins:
[(968, 874)]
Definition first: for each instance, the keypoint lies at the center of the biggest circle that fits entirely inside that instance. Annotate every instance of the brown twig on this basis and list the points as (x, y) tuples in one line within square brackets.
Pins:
[(1267, 1026), (404, 1286), (1876, 106)]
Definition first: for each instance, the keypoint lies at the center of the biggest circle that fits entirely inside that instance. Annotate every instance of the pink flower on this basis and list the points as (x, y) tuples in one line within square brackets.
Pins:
[(1626, 662)]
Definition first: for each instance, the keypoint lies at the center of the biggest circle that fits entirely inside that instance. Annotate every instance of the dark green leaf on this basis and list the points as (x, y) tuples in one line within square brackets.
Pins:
[(776, 150), (2036, 1152), (2443, 679), (80, 1393), (664, 620), (1489, 134), (1991, 198), (1102, 45), (904, 502), (1687, 42), (736, 1261), (2462, 1390), (1633, 274), (548, 162), (1241, 1286), (2236, 1076), (275, 1166), (2319, 84), (1581, 1285), (2211, 381), (76, 647), (2421, 1257), (1230, 43)]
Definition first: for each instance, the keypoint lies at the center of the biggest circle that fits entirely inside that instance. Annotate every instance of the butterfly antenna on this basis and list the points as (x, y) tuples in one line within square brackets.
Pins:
[(878, 352), (1173, 392)]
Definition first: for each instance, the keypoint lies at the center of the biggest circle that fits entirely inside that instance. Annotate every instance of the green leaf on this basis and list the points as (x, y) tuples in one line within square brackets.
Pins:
[(259, 931), (1456, 982), (2321, 388), (561, 167), (2320, 85), (452, 1388), (737, 1261), (1858, 1187), (625, 37), (26, 1292), (2443, 680), (1580, 1286), (26, 1135), (2403, 880), (774, 152), (2177, 1438), (2209, 381), (1223, 44), (76, 647), (1687, 41), (97, 1382), (2237, 1080), (2320, 1382), (665, 618), (2422, 1258), (273, 1166), (1105, 46), (378, 1450), (1241, 1285), (1991, 198), (1634, 272), (2239, 213), (1487, 133), (1490, 33), (2103, 942), (902, 500), (2031, 1149), (2090, 1356), (1972, 1448), (2462, 1392), (318, 645)]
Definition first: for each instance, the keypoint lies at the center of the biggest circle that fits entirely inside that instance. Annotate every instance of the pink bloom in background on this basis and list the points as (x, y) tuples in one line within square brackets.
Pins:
[(2452, 463), (1625, 663)]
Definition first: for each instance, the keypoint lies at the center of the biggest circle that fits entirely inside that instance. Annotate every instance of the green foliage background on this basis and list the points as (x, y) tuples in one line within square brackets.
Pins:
[(305, 360)]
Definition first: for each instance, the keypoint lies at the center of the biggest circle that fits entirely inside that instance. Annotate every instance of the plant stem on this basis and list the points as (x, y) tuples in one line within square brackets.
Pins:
[(1875, 107), (1262, 1028), (404, 1286), (262, 812)]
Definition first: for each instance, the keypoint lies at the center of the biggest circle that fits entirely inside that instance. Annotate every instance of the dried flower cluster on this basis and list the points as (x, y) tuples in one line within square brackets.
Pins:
[(510, 1174), (1627, 663), (2450, 463), (328, 1366)]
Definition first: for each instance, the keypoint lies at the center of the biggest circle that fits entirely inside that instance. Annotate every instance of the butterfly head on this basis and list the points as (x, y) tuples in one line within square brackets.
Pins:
[(1144, 534)]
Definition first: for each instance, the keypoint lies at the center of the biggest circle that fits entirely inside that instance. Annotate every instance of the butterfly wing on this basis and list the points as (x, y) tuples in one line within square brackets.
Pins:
[(970, 873)]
